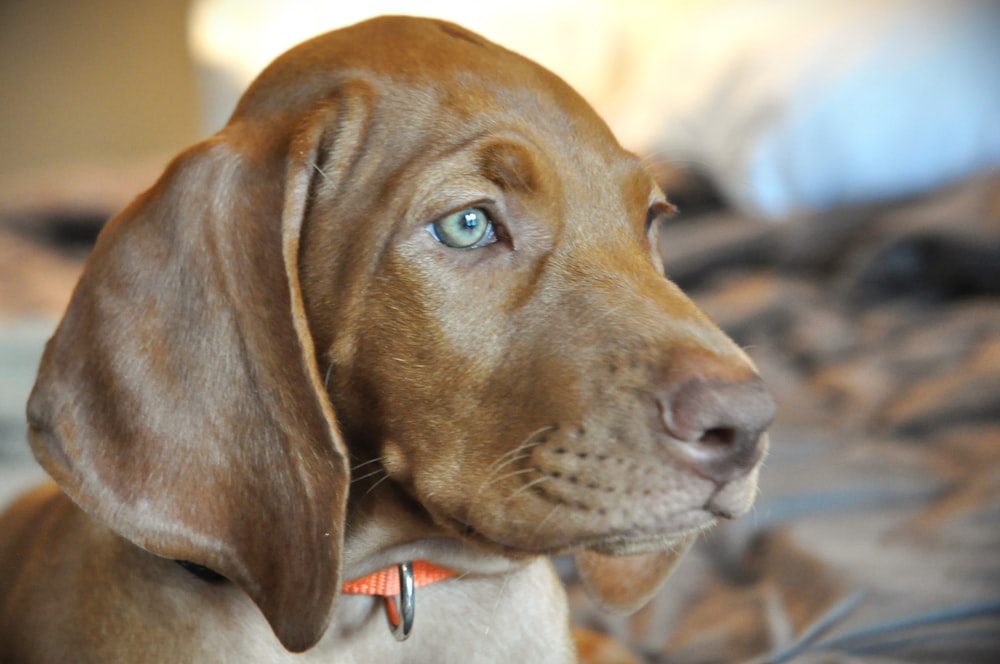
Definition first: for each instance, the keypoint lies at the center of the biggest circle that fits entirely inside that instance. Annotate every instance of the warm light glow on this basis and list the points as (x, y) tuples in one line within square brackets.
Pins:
[(593, 44)]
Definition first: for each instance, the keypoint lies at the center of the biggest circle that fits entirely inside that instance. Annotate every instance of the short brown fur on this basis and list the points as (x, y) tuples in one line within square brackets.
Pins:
[(271, 368)]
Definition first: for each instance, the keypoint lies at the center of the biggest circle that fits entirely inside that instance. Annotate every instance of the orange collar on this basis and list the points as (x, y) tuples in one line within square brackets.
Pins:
[(400, 583), (385, 582)]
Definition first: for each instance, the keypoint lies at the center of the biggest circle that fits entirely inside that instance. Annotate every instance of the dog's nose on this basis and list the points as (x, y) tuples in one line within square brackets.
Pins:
[(717, 424)]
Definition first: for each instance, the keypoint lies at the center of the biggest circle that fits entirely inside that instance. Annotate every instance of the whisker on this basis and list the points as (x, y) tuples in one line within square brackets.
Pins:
[(513, 456), (496, 605), (525, 445), (321, 172), (366, 463), (527, 486), (514, 473), (508, 458), (329, 372), (541, 524), (523, 454), (490, 480), (373, 486), (373, 473), (505, 458)]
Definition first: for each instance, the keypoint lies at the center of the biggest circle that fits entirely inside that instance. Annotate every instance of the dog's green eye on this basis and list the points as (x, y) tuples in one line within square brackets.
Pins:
[(470, 228)]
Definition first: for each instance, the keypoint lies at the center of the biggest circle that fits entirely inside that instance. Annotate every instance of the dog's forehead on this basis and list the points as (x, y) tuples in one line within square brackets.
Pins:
[(432, 88), (429, 62), (406, 48)]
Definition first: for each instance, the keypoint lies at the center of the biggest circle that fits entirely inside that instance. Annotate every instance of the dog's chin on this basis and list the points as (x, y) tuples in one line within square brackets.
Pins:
[(619, 572), (614, 542), (634, 546)]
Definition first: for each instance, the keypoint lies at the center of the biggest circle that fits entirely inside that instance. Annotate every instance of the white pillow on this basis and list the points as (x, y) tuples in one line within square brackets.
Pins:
[(822, 103)]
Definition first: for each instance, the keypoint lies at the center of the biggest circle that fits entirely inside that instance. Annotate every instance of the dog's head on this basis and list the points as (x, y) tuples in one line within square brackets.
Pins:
[(409, 246)]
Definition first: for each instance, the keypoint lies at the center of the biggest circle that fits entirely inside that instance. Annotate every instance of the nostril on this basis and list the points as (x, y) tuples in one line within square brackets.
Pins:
[(716, 426), (718, 437), (722, 454)]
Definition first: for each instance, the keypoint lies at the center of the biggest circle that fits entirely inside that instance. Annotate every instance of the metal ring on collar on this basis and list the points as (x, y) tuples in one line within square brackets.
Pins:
[(403, 623)]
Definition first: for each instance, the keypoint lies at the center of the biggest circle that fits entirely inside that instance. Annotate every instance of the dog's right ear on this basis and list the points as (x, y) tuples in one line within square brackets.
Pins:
[(180, 402)]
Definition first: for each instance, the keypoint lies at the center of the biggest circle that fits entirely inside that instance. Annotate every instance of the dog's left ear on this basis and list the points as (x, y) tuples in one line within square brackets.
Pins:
[(180, 402)]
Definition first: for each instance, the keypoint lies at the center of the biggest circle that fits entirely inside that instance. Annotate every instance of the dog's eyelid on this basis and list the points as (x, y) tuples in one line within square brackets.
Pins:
[(488, 205)]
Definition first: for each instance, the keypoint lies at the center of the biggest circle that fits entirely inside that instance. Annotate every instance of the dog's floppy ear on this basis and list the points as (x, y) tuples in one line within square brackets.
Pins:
[(179, 400)]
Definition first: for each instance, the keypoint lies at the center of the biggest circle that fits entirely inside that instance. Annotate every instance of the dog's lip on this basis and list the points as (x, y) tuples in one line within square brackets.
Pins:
[(617, 543), (687, 524), (628, 546)]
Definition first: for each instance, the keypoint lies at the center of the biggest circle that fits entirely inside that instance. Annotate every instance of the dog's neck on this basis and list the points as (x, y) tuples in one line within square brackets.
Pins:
[(384, 528)]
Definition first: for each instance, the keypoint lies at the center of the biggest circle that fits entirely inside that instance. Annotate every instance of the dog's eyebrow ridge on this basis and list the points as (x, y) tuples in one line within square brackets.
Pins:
[(510, 166)]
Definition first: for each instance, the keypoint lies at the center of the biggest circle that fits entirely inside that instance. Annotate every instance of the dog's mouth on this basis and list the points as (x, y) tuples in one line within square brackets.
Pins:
[(539, 522), (620, 574), (620, 570), (633, 546), (623, 542)]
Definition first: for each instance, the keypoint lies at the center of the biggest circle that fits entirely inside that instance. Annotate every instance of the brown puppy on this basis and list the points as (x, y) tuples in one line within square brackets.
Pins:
[(406, 306)]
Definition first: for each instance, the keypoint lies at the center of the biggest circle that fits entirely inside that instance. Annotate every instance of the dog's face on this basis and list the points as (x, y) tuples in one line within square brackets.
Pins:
[(412, 249), (514, 355)]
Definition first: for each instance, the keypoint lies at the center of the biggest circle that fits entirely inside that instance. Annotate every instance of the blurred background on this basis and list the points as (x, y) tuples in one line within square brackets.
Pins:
[(837, 166)]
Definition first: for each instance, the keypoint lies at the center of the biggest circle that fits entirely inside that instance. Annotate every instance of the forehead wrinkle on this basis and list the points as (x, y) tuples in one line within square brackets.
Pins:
[(509, 166)]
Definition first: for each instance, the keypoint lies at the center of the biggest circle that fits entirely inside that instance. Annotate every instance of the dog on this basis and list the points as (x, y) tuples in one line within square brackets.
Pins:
[(392, 337)]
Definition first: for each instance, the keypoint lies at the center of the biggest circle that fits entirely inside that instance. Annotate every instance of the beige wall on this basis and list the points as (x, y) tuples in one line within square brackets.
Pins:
[(85, 81)]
